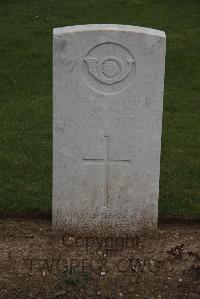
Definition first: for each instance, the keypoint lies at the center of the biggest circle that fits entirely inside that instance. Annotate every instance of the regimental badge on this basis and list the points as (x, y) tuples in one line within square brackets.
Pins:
[(109, 67)]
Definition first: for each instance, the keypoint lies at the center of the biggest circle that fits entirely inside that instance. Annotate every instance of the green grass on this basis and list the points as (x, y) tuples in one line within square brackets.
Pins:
[(26, 95), (76, 277)]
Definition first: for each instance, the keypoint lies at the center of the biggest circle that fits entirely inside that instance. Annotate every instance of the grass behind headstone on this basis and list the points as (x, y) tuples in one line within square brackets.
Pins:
[(26, 95)]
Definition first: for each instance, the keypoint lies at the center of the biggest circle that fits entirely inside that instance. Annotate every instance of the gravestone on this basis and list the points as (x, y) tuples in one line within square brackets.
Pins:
[(108, 102)]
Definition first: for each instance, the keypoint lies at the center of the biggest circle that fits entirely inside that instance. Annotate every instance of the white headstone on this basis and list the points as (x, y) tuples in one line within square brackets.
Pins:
[(108, 102)]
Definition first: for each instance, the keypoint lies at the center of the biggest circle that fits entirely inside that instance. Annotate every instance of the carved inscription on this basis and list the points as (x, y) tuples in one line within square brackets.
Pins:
[(109, 68), (72, 122), (118, 121)]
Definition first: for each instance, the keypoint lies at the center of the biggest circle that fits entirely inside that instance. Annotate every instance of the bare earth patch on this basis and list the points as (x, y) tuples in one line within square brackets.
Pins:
[(33, 264)]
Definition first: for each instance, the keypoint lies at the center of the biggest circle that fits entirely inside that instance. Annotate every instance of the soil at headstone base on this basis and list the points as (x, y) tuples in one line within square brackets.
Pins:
[(34, 264)]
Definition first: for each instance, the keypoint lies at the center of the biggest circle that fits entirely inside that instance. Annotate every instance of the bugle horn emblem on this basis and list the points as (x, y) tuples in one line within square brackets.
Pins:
[(109, 70)]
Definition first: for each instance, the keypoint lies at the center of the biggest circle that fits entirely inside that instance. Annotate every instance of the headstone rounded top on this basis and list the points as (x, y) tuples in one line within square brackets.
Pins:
[(108, 27)]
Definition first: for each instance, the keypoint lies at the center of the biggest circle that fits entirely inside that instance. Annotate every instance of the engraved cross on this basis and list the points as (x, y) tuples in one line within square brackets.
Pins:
[(106, 161)]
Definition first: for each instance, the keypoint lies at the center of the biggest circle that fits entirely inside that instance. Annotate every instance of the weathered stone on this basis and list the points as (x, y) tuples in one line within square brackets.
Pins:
[(108, 101)]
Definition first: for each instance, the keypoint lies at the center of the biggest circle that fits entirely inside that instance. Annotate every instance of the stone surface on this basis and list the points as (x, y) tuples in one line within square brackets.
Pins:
[(108, 102)]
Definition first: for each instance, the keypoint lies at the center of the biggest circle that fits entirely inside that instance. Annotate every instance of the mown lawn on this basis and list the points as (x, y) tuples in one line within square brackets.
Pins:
[(26, 95)]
